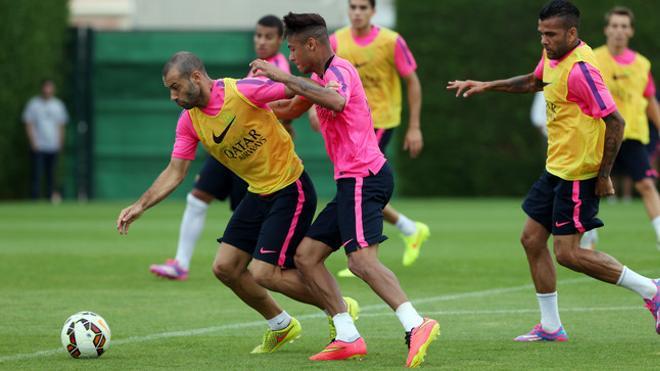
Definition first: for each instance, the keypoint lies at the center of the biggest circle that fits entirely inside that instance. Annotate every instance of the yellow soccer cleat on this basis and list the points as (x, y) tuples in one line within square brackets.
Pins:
[(345, 273), (414, 243), (353, 309), (273, 340)]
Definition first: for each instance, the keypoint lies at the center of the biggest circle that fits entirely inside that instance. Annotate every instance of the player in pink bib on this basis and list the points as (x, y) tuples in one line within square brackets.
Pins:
[(354, 218)]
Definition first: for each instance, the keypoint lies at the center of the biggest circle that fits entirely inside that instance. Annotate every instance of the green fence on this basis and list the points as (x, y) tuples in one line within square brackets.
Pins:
[(134, 121)]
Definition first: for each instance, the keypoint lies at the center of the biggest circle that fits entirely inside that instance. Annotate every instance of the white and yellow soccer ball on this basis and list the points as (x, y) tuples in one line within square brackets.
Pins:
[(85, 335)]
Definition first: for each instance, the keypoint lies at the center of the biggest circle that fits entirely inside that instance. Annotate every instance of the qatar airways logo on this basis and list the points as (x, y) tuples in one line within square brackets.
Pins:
[(245, 147)]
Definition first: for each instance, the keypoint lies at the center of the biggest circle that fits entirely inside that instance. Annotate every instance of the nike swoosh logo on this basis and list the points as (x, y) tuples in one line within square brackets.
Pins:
[(221, 137), (262, 251), (279, 338), (559, 225)]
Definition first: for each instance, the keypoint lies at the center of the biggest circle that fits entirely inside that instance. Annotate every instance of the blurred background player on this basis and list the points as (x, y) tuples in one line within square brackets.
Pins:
[(382, 58), (214, 180), (581, 152), (353, 220), (45, 118), (628, 77)]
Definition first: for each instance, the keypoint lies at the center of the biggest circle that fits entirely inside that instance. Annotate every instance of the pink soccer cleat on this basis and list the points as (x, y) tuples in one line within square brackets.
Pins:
[(539, 334), (171, 270), (654, 306), (338, 350), (419, 339)]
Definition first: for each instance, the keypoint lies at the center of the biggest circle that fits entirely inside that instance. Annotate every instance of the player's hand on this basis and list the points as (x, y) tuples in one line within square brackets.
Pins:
[(262, 68), (604, 187), (335, 85), (128, 216), (467, 88), (413, 142)]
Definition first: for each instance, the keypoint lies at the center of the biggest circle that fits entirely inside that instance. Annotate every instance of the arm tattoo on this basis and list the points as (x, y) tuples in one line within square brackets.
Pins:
[(302, 86), (614, 125), (519, 84)]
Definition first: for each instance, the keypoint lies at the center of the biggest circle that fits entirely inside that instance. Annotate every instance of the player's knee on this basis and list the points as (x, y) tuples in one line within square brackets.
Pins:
[(225, 272), (645, 186), (264, 276), (531, 242), (201, 195), (566, 257), (361, 265)]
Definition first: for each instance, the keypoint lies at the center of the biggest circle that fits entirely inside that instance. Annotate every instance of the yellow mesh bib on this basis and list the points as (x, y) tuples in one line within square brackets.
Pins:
[(249, 141), (627, 84), (575, 140), (375, 64)]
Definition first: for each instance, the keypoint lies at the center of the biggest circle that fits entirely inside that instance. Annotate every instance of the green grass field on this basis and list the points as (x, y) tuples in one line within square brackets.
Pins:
[(472, 277)]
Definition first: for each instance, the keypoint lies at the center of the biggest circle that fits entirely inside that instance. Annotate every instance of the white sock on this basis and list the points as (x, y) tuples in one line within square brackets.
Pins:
[(656, 226), (589, 239), (346, 330), (191, 228), (280, 321), (637, 283), (405, 225), (549, 311), (408, 316)]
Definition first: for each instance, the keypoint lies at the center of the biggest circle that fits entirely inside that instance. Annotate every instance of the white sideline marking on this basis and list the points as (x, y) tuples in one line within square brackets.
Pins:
[(206, 330)]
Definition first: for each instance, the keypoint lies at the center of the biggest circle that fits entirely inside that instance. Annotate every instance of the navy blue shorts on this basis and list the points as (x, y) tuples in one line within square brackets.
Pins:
[(633, 160), (217, 180), (384, 136), (270, 227), (354, 218), (563, 207)]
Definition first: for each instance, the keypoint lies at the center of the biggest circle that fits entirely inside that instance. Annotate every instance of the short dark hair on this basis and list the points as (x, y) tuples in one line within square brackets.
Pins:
[(185, 62), (372, 2), (306, 25), (564, 9), (620, 10), (272, 21), (46, 80)]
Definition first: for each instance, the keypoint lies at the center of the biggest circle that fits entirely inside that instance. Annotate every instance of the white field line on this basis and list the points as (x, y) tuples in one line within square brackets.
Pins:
[(206, 330)]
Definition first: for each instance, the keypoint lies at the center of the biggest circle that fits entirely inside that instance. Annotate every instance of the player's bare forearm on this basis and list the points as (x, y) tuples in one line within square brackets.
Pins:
[(653, 111), (166, 182), (29, 129), (519, 84), (289, 109), (326, 97), (614, 126), (414, 89)]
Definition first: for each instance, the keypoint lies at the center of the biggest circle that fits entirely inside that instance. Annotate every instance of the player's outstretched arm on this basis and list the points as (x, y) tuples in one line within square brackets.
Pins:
[(324, 96), (614, 126), (166, 182), (519, 84)]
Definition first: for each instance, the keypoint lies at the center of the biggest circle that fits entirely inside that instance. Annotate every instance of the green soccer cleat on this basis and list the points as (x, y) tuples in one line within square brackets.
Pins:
[(274, 340), (352, 307), (414, 243)]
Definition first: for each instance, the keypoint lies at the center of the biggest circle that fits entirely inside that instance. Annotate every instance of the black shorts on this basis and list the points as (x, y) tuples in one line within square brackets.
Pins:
[(270, 227), (354, 218), (384, 136), (563, 207), (216, 179), (633, 160)]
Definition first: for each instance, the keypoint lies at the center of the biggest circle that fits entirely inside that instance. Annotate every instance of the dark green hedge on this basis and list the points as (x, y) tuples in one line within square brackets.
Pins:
[(32, 36), (486, 145)]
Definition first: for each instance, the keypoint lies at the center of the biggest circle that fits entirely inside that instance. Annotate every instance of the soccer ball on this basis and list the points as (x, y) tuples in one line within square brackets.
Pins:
[(85, 335)]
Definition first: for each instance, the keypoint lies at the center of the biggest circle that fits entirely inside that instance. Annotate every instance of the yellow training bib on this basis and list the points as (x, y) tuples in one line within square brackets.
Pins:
[(575, 140), (249, 141), (627, 84), (375, 64)]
